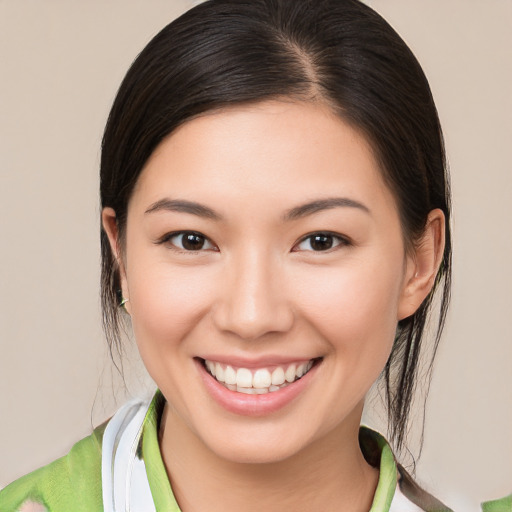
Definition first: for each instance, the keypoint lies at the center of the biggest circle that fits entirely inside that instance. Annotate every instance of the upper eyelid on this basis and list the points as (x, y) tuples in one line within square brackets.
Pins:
[(322, 232), (343, 242), (165, 238), (328, 233)]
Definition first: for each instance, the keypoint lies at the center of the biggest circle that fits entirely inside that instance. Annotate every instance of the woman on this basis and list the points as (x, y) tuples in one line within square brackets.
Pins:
[(275, 223)]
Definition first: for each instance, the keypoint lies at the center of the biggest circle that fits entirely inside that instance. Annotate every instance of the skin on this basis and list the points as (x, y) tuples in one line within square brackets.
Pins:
[(257, 289)]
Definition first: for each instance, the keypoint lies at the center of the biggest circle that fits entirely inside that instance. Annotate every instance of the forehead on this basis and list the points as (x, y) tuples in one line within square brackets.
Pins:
[(265, 152)]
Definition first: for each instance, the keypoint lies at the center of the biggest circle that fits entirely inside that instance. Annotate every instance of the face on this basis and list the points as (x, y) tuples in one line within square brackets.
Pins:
[(265, 268)]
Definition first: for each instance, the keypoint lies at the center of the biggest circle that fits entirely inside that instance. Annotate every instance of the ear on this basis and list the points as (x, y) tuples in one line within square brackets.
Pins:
[(109, 222), (422, 265)]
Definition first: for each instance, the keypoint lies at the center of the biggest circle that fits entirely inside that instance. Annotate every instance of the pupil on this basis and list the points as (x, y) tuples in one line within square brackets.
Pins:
[(321, 242), (193, 242)]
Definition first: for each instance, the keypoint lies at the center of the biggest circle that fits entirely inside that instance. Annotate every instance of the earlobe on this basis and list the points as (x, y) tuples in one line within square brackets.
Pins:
[(109, 222), (423, 265)]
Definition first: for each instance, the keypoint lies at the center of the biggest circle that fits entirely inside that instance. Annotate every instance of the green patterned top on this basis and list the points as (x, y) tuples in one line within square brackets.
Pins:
[(74, 482)]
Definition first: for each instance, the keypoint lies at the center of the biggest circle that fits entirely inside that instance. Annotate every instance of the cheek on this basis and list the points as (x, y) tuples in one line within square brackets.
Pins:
[(354, 307), (166, 303)]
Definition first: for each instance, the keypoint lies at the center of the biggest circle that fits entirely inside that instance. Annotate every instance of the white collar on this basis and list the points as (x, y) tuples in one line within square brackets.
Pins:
[(125, 485)]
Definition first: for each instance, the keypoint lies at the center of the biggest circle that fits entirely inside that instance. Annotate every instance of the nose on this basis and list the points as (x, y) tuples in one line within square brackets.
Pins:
[(253, 300)]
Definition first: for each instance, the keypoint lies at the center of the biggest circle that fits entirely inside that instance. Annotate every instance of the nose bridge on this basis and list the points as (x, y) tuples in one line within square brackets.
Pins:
[(253, 301)]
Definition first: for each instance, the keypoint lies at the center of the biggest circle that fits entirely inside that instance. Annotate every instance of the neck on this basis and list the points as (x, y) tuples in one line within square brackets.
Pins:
[(329, 474)]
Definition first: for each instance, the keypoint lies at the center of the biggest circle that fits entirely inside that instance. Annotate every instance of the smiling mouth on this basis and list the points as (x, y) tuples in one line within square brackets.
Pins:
[(258, 381)]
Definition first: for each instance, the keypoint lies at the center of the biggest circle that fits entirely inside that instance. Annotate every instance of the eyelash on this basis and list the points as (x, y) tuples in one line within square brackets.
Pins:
[(342, 240), (166, 239)]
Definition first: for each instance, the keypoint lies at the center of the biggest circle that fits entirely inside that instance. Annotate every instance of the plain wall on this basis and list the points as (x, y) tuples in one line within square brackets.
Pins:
[(60, 65)]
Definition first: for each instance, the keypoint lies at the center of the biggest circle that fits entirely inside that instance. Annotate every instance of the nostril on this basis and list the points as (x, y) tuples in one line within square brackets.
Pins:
[(253, 321), (252, 301)]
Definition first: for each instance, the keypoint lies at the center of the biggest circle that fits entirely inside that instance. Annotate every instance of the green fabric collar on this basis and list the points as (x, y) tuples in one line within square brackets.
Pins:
[(378, 453), (155, 469), (375, 449)]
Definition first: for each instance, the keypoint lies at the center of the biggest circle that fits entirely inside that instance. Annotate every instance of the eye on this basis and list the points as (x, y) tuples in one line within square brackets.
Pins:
[(187, 241), (321, 242)]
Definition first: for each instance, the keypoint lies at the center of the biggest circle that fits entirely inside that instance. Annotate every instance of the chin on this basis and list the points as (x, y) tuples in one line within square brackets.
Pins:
[(265, 443), (255, 453)]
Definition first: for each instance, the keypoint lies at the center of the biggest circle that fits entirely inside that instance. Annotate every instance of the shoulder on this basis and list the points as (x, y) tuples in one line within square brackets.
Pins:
[(396, 490), (72, 482), (503, 505)]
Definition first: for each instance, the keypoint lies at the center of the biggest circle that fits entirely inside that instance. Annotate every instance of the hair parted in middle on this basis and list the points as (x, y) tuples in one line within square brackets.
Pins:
[(341, 53)]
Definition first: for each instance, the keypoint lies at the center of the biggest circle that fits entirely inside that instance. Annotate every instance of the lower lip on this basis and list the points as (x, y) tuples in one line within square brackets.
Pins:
[(253, 405)]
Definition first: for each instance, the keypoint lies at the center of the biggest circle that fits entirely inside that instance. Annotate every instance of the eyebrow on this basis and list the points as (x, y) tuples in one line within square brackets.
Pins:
[(323, 204), (184, 206)]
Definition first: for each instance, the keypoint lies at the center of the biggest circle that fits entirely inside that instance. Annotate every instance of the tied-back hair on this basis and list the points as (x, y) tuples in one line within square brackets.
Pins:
[(340, 53)]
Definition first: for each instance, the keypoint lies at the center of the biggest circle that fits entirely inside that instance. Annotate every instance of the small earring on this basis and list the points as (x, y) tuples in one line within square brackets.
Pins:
[(122, 301)]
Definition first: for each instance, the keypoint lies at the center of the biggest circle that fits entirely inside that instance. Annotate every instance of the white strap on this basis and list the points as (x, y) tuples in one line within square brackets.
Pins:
[(125, 485)]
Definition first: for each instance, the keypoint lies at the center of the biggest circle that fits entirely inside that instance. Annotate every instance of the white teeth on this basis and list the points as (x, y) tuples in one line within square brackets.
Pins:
[(229, 375), (261, 379), (243, 378), (290, 373), (278, 376), (247, 391), (219, 372)]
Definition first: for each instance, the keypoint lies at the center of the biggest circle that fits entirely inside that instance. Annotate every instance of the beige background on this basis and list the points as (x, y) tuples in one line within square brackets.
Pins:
[(61, 63)]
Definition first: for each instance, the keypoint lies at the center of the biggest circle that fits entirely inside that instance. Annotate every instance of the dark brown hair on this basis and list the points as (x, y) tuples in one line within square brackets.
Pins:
[(228, 52)]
